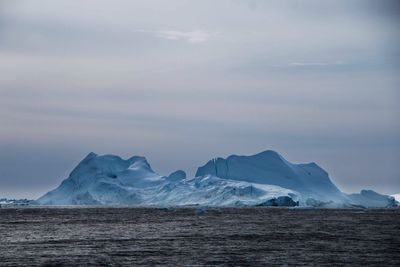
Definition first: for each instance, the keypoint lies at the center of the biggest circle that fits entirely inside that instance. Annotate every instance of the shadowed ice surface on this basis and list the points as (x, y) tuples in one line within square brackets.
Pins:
[(189, 236)]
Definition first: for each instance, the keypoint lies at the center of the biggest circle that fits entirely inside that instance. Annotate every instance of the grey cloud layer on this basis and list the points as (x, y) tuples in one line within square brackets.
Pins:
[(183, 81)]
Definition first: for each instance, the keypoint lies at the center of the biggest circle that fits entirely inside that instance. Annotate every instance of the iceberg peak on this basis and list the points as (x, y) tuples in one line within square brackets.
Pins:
[(177, 175), (269, 153)]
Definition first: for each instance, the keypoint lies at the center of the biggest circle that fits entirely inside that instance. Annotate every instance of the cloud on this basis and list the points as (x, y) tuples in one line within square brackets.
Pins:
[(197, 36), (167, 78), (310, 64)]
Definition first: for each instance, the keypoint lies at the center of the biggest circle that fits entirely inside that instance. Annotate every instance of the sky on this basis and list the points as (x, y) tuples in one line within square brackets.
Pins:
[(181, 82)]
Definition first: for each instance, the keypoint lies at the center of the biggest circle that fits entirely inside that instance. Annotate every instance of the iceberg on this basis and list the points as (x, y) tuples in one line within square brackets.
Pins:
[(110, 180), (268, 167), (264, 179), (372, 199), (105, 179)]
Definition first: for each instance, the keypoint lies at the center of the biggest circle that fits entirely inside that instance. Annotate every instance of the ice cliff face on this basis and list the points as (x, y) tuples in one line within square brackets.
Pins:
[(265, 179), (271, 168)]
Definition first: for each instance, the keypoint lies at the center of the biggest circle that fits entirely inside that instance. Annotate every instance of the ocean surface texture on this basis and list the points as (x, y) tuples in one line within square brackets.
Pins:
[(197, 236)]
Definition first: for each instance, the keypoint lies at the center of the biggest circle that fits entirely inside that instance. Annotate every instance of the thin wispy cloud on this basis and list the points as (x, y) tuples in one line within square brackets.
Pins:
[(310, 64), (196, 36)]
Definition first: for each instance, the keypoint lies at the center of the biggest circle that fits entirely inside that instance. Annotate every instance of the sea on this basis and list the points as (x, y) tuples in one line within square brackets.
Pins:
[(198, 236)]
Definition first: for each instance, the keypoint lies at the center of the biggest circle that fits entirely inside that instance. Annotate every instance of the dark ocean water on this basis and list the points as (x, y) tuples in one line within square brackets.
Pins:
[(190, 236)]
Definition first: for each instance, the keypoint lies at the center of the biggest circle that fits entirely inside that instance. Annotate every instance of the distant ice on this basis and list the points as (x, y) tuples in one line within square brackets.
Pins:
[(396, 197)]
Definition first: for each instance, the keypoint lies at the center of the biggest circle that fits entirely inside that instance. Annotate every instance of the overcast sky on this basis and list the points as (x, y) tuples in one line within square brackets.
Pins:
[(181, 82)]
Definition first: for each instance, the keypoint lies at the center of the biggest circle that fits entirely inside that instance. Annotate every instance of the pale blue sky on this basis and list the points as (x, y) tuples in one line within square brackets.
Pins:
[(180, 82)]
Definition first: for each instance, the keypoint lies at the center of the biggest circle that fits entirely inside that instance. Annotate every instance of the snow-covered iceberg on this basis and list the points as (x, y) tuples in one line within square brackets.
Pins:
[(105, 179), (265, 179), (271, 168), (110, 180), (372, 199)]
